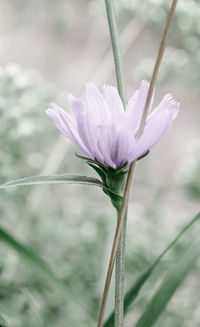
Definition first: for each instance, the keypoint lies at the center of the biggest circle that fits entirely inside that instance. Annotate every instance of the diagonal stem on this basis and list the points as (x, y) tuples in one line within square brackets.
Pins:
[(115, 243), (157, 66), (132, 166)]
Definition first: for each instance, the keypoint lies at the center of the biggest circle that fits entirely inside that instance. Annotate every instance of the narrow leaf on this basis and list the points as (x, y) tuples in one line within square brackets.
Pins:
[(2, 322), (53, 179), (58, 179), (40, 266), (172, 281), (134, 290)]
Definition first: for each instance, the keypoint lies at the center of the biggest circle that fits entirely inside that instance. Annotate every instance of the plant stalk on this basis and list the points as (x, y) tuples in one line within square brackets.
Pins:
[(120, 248), (120, 277), (109, 8), (120, 255), (157, 65), (111, 17)]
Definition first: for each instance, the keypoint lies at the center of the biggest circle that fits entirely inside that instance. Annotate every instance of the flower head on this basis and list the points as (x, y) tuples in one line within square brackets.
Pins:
[(108, 134)]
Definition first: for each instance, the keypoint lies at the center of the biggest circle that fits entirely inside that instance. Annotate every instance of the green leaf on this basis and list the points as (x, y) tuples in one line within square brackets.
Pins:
[(2, 322), (53, 179), (172, 281), (134, 290), (41, 267), (58, 179)]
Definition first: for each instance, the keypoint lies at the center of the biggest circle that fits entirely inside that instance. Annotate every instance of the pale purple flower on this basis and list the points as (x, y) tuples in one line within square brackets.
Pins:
[(108, 134)]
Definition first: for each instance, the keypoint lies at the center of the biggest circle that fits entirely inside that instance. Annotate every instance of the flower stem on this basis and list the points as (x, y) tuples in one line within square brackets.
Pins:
[(116, 49), (121, 217), (157, 65), (120, 255), (120, 277)]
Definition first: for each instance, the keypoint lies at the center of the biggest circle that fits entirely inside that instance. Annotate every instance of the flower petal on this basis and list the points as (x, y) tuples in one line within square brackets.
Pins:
[(66, 124), (67, 120), (113, 99), (58, 122), (108, 134), (105, 143), (136, 104), (84, 128), (121, 147), (76, 105), (157, 125), (87, 128), (97, 105), (166, 104)]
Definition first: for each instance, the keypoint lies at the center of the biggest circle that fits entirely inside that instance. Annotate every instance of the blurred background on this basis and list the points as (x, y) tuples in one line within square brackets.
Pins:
[(50, 48)]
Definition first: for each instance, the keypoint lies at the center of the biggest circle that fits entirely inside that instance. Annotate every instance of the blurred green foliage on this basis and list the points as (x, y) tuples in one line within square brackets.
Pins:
[(26, 140), (183, 52), (62, 223), (189, 173)]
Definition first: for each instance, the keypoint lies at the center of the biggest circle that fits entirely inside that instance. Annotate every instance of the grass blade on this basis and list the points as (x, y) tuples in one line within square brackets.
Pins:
[(53, 179), (134, 290), (172, 281), (59, 179), (41, 267)]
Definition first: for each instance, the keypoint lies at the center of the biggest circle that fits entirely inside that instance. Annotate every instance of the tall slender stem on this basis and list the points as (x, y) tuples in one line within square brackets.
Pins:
[(120, 255), (120, 277), (132, 166), (116, 49), (157, 65), (120, 251)]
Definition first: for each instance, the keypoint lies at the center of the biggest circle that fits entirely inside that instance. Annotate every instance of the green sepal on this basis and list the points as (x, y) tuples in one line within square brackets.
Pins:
[(113, 180), (92, 161), (100, 171), (143, 155), (116, 179)]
